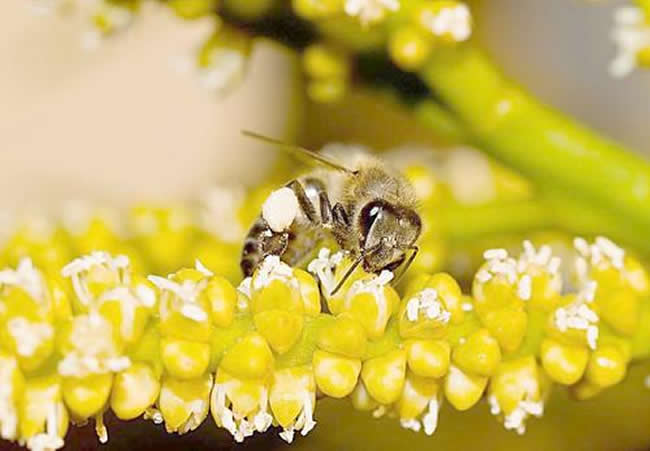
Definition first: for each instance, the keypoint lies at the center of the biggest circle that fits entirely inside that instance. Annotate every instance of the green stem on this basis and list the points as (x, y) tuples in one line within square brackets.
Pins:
[(543, 144)]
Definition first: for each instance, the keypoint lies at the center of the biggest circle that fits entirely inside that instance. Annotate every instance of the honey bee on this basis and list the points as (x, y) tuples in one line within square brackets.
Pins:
[(368, 207)]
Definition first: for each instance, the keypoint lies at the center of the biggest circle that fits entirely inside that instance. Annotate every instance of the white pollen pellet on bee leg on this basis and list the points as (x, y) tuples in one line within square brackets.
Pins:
[(280, 209)]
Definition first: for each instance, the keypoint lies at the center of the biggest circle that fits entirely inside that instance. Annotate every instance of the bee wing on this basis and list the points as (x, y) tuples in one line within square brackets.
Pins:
[(300, 152)]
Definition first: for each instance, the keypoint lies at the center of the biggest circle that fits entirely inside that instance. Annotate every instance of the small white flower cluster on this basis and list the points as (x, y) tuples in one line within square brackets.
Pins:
[(455, 21), (79, 268), (631, 35), (324, 267), (519, 272), (516, 420), (579, 316), (370, 11), (272, 268), (239, 427), (427, 304), (184, 296), (429, 419), (602, 252), (28, 335), (27, 277), (94, 349)]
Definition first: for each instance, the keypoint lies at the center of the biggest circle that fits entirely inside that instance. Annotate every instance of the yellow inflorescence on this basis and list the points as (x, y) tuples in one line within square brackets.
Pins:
[(98, 334)]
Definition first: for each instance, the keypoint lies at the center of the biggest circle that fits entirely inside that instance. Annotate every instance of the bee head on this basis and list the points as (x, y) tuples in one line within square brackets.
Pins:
[(387, 231)]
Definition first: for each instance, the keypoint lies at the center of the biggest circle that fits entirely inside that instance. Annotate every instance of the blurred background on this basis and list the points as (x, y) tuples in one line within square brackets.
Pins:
[(122, 121)]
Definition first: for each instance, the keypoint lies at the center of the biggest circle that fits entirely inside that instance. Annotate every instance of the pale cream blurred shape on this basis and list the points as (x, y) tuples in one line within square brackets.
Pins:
[(120, 124)]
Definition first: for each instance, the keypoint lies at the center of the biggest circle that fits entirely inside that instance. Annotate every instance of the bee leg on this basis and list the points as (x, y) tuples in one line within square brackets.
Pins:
[(340, 216), (325, 208), (305, 204)]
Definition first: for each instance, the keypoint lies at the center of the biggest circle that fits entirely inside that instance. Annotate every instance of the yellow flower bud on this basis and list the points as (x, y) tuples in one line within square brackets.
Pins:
[(508, 327), (289, 389), (344, 336), (31, 341), (184, 404), (463, 390), (361, 399), (281, 329), (325, 62), (336, 376), (447, 290), (479, 354), (221, 296), (515, 381), (372, 302), (250, 358), (418, 392), (428, 358), (564, 363), (86, 396), (184, 359), (619, 307), (607, 366), (384, 376), (134, 390), (309, 292)]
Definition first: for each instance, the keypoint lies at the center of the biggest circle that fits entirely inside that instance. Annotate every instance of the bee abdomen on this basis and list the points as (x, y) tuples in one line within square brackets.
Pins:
[(260, 242)]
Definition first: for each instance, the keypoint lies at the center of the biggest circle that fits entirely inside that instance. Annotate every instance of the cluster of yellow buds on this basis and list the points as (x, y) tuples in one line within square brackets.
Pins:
[(175, 349)]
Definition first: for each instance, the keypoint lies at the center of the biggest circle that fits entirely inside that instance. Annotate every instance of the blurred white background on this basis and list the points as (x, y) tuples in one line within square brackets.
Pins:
[(119, 123)]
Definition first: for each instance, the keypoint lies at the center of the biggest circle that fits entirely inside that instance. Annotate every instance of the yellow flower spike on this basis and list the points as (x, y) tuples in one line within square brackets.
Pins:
[(13, 385), (564, 363), (309, 292), (419, 394), (479, 354), (240, 406), (463, 390), (336, 376), (222, 298), (361, 399), (86, 396), (384, 376), (607, 366), (428, 358), (517, 392), (281, 329), (31, 341), (184, 404), (409, 48), (43, 418), (250, 358), (372, 302), (292, 399), (134, 390), (184, 359), (344, 336)]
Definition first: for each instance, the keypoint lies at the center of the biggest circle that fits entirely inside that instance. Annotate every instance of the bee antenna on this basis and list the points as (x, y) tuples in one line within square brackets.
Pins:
[(415, 250), (347, 275)]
